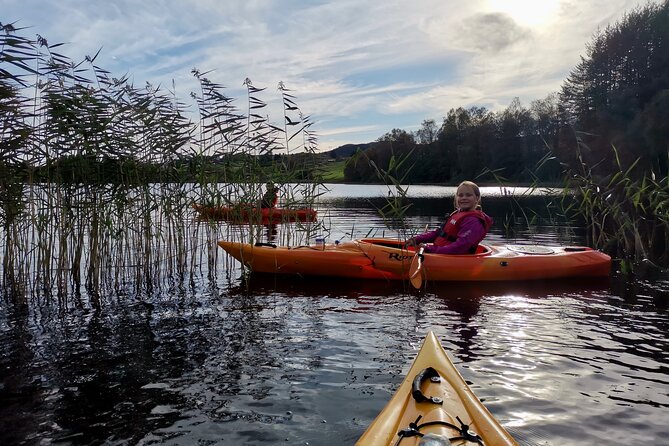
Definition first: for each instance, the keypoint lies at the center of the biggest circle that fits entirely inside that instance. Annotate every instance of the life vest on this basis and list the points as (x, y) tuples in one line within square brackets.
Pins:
[(269, 200), (451, 227)]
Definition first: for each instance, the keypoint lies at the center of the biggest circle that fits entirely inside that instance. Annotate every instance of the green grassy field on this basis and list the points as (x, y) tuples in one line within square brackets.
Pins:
[(333, 172)]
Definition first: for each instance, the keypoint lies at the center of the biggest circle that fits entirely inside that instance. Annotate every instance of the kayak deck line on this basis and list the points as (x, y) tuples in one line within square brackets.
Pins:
[(434, 405), (388, 259), (464, 433)]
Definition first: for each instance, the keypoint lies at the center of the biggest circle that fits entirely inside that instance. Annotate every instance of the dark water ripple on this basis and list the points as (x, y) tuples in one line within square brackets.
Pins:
[(272, 364), (297, 361)]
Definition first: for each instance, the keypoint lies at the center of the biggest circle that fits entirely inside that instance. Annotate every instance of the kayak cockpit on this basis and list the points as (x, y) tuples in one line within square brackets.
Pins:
[(399, 244)]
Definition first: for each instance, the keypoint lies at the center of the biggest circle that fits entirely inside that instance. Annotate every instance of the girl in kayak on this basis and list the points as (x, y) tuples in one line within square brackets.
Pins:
[(463, 229)]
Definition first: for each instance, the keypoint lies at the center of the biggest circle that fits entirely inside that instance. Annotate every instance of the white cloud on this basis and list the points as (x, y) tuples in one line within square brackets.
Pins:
[(377, 64), (349, 130)]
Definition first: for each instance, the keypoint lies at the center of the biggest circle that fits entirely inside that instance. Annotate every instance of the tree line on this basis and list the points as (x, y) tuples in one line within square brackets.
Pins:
[(604, 135), (612, 109)]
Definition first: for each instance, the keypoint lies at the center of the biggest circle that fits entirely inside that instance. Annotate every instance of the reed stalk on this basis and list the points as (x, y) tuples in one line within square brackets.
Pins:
[(97, 177), (626, 215)]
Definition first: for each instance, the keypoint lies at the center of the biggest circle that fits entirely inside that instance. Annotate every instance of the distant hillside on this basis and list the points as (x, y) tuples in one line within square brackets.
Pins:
[(347, 150)]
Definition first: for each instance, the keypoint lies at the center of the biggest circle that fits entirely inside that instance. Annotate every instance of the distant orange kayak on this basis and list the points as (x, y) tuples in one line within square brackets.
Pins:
[(387, 259), (249, 214)]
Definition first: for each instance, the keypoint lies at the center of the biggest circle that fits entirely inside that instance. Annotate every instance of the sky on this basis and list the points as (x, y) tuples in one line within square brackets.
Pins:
[(358, 68)]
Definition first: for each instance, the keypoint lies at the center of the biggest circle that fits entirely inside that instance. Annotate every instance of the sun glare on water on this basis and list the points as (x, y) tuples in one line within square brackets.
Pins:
[(527, 12)]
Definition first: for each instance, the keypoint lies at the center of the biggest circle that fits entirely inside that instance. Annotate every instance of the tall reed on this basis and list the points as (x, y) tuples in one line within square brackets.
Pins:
[(97, 177), (626, 214), (396, 203)]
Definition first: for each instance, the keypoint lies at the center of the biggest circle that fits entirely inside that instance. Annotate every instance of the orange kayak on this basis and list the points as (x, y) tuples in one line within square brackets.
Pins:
[(341, 260), (246, 214), (435, 406), (387, 259)]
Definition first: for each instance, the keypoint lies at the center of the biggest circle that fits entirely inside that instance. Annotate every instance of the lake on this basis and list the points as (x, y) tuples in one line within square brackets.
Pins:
[(217, 359)]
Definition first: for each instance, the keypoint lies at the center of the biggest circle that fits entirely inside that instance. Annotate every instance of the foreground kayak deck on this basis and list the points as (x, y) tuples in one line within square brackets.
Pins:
[(245, 214), (434, 402), (375, 258)]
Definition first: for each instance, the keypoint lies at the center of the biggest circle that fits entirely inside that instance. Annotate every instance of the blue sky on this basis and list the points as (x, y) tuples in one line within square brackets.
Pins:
[(358, 68)]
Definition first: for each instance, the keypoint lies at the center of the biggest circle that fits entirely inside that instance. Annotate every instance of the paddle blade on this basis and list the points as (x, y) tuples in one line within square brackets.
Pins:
[(416, 270)]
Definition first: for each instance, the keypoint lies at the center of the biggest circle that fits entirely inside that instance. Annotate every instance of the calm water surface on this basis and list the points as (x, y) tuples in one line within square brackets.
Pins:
[(296, 361)]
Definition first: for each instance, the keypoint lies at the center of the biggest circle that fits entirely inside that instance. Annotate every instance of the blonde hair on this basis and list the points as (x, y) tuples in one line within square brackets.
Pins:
[(474, 187)]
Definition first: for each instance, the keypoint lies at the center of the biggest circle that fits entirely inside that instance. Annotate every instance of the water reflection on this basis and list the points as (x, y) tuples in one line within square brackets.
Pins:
[(338, 191), (284, 360)]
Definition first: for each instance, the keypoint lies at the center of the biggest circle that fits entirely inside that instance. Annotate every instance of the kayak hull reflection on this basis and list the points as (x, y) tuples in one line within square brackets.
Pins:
[(250, 214)]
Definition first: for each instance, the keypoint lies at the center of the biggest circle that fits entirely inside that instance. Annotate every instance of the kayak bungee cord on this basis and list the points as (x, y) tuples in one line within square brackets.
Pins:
[(269, 245), (414, 431), (431, 403), (272, 245), (414, 428)]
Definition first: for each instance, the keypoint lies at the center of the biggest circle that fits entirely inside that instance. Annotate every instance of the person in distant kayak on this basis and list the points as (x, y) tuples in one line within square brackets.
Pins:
[(271, 196), (463, 230)]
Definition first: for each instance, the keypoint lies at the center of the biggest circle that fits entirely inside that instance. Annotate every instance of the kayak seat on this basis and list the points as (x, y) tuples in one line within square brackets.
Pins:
[(482, 249)]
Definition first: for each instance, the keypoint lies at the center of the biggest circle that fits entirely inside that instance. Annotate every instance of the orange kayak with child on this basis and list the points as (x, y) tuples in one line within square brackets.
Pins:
[(435, 406), (250, 214), (376, 258)]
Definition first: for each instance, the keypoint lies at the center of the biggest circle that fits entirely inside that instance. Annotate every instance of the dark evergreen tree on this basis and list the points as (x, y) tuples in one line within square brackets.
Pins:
[(616, 93)]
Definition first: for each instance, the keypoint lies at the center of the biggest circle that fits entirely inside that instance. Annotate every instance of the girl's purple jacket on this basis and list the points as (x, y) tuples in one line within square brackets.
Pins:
[(472, 230)]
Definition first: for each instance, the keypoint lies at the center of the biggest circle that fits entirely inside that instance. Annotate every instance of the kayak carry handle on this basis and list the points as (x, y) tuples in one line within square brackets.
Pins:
[(269, 245), (418, 395)]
